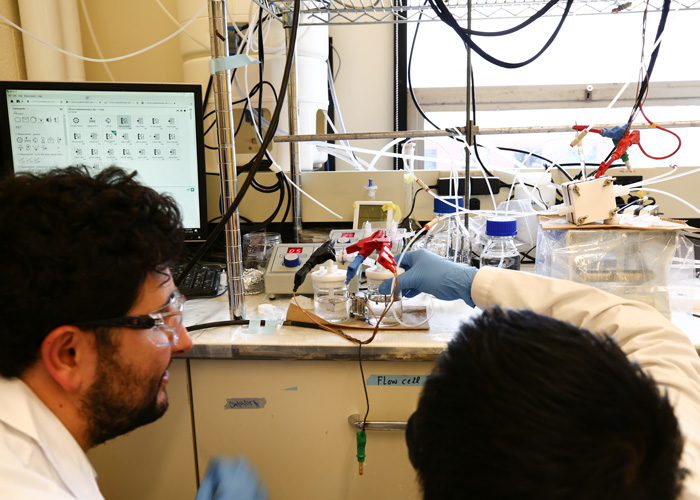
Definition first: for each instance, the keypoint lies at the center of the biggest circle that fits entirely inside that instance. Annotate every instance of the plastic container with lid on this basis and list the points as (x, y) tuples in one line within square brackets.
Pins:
[(377, 302), (331, 297), (449, 237), (500, 250)]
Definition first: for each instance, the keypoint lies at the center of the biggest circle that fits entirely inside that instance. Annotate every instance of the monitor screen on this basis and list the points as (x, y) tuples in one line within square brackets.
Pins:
[(154, 129)]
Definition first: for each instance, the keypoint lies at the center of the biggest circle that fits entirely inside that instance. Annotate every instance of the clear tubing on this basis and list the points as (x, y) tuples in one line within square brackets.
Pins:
[(393, 283), (345, 144), (96, 43), (111, 59), (177, 23), (662, 178), (677, 198)]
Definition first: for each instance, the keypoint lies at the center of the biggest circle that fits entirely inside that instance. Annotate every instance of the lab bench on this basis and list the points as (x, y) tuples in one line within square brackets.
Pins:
[(287, 401)]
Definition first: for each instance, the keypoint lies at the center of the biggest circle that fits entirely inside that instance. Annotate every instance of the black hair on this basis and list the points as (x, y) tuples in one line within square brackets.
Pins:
[(523, 406), (76, 247)]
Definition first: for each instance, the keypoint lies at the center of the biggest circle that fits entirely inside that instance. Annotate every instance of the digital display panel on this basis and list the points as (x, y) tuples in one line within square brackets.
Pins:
[(294, 250)]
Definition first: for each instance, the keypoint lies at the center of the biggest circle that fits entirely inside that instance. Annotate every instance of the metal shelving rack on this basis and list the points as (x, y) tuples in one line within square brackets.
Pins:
[(359, 12), (343, 12)]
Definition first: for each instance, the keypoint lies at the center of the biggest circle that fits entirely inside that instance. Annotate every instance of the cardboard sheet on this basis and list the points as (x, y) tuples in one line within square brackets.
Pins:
[(411, 316)]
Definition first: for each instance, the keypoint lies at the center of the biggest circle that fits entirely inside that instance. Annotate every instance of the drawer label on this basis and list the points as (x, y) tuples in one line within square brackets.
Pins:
[(397, 380), (245, 403)]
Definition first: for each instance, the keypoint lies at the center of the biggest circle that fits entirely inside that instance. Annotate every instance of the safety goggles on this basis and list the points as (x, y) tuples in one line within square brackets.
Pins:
[(164, 324)]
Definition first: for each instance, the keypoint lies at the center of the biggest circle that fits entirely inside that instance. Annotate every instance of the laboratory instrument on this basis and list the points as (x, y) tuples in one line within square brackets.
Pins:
[(500, 250)]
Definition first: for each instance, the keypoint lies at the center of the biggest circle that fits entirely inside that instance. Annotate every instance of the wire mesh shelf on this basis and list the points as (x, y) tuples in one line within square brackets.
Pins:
[(406, 11)]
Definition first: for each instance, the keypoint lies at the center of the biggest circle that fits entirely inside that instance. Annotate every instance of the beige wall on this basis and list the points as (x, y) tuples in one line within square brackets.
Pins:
[(127, 26), (11, 50)]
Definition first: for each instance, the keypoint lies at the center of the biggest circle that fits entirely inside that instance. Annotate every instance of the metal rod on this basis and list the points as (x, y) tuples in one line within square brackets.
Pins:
[(293, 109), (462, 130), (375, 425), (218, 36)]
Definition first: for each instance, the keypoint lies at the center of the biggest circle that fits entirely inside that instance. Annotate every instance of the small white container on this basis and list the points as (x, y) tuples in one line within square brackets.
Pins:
[(331, 297), (377, 302)]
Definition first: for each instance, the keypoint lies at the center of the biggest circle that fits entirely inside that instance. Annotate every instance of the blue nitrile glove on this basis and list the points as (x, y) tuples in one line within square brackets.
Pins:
[(231, 479), (353, 267), (428, 272)]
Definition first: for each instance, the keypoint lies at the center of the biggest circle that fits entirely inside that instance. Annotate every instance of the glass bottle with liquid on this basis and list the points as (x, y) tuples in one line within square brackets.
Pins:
[(500, 250), (331, 296), (449, 237), (376, 301)]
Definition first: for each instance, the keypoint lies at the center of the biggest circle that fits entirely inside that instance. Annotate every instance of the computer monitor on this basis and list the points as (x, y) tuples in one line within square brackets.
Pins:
[(154, 129)]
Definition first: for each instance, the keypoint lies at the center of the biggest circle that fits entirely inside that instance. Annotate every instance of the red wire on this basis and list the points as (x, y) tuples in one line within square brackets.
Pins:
[(665, 130)]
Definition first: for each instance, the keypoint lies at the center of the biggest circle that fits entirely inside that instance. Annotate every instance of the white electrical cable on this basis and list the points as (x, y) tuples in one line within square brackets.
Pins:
[(111, 59), (94, 40)]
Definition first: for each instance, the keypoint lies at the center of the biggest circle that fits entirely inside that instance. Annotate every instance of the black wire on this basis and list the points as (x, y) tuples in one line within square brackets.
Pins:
[(408, 74), (652, 61), (444, 14), (364, 385), (413, 205), (274, 120), (206, 94)]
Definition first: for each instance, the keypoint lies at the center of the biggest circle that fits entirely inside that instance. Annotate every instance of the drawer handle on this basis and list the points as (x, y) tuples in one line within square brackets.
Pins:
[(375, 425)]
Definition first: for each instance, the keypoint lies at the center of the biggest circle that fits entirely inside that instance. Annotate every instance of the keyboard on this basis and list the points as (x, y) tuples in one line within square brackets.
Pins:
[(203, 280)]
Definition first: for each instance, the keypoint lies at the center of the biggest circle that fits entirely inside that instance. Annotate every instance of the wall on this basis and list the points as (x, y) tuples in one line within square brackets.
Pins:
[(11, 49)]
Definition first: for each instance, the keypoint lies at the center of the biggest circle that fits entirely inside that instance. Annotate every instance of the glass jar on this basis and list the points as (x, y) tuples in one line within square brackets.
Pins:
[(331, 296), (376, 302), (500, 250), (449, 237)]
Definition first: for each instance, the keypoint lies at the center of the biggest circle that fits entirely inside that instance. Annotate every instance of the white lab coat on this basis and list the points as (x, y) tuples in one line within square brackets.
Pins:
[(647, 337), (39, 458)]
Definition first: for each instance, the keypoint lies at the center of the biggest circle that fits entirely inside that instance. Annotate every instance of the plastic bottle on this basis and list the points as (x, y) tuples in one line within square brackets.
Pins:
[(331, 297), (377, 302), (449, 237), (500, 250)]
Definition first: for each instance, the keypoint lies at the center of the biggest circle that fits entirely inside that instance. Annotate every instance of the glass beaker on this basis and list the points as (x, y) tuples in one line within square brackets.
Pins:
[(500, 250), (377, 302), (331, 297), (257, 248)]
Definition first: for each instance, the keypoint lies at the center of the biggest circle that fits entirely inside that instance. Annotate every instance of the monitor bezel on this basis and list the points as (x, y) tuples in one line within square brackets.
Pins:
[(7, 165)]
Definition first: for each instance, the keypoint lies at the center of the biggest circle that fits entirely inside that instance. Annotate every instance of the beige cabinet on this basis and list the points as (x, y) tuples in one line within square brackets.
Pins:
[(290, 418)]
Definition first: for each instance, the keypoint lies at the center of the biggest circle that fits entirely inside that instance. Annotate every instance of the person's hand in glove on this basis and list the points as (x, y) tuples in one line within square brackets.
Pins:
[(231, 479), (428, 272)]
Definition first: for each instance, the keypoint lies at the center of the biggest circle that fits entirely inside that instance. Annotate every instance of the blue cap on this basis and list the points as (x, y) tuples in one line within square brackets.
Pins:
[(501, 227), (440, 205)]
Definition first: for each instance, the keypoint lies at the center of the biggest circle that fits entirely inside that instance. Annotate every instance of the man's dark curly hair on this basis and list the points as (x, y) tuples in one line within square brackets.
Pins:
[(523, 406), (76, 247)]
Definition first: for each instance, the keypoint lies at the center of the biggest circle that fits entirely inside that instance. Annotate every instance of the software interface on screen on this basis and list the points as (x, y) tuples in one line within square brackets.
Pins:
[(154, 133)]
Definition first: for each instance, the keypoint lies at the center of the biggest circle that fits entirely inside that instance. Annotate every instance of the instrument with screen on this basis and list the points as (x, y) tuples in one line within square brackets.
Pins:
[(153, 129)]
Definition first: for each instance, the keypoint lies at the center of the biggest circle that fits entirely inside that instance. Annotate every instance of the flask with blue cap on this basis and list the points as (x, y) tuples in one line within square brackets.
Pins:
[(449, 237), (500, 251)]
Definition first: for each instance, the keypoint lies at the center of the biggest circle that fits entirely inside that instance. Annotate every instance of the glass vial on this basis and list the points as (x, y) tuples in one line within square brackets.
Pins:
[(449, 237), (377, 302), (331, 297), (500, 250)]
